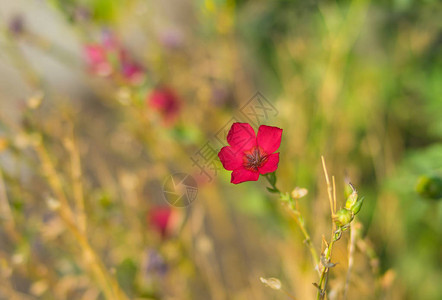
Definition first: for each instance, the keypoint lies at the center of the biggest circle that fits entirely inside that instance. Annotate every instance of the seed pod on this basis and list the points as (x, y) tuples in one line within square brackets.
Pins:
[(343, 217)]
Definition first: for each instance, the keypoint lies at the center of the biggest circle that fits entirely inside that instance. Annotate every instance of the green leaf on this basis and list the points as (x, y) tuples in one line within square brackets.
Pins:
[(272, 178), (126, 273)]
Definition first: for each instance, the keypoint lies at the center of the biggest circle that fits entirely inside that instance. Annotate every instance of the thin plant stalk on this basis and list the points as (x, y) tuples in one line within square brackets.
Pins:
[(293, 205), (301, 224), (330, 188), (336, 235), (322, 286), (108, 284), (76, 175)]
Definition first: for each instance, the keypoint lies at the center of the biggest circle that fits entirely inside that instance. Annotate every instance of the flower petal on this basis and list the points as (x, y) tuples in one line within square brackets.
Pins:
[(241, 137), (270, 165), (230, 158), (269, 138), (241, 175)]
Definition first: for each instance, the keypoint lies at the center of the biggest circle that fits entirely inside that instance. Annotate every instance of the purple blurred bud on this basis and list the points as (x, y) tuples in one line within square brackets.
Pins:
[(17, 25), (155, 264)]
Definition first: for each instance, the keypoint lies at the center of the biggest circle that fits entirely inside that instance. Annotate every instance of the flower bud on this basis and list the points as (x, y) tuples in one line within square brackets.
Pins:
[(343, 217), (298, 192), (352, 199), (357, 206), (273, 283), (429, 187), (348, 189)]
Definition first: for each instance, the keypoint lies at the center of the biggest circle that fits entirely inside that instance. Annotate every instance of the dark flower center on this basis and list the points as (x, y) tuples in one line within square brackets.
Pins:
[(254, 159)]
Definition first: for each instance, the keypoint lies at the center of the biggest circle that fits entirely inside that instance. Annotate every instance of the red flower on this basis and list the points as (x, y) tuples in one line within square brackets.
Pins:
[(166, 102), (161, 219), (249, 156)]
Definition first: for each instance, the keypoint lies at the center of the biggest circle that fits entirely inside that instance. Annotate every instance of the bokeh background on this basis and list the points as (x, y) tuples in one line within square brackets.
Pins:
[(102, 100)]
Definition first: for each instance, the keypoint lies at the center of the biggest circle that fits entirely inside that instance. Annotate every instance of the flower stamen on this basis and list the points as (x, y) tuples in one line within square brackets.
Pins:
[(254, 159)]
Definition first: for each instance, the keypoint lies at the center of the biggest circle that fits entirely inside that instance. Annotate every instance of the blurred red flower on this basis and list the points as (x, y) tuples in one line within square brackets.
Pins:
[(110, 58), (164, 100), (161, 219), (248, 155)]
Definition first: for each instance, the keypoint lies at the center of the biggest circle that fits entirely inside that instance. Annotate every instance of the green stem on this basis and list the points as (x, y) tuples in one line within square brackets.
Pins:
[(299, 220), (324, 273)]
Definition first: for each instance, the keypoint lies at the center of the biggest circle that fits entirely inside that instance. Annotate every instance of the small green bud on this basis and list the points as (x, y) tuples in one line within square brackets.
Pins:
[(352, 199), (343, 217), (429, 187), (357, 206)]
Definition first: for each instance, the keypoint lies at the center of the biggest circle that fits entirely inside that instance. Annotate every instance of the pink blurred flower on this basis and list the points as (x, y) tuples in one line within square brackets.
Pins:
[(110, 58), (249, 156), (166, 102), (98, 61)]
